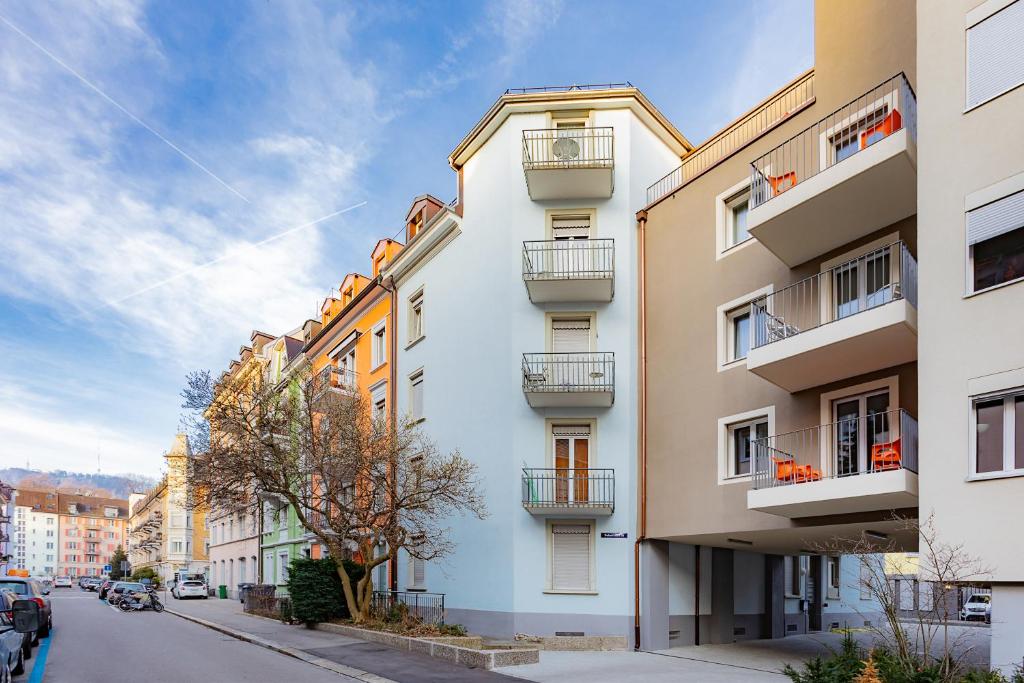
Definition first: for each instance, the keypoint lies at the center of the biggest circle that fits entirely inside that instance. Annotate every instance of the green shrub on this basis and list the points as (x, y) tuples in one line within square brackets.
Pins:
[(839, 667), (146, 573), (315, 589)]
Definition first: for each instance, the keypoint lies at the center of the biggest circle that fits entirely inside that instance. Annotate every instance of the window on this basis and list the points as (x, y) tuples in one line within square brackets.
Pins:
[(416, 329), (282, 567), (862, 423), (794, 569), (995, 241), (737, 207), (416, 395), (378, 265), (737, 327), (571, 557), (741, 461), (378, 398), (571, 335), (417, 574), (572, 459), (833, 566), (177, 546), (739, 333), (348, 295), (995, 63), (380, 348), (998, 444)]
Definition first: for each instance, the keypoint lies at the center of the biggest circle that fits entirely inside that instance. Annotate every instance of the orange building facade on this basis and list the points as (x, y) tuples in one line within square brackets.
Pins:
[(90, 530)]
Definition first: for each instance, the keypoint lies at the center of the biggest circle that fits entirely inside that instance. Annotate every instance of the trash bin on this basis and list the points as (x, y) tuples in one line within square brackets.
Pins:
[(243, 589), (222, 592)]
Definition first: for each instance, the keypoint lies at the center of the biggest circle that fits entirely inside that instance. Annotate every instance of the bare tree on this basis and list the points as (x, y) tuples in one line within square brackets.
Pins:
[(917, 637), (196, 399), (366, 488)]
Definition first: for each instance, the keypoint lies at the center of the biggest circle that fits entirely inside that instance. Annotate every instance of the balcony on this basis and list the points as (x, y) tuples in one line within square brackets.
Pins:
[(860, 464), (848, 175), (569, 163), (562, 380), (340, 380), (851, 319), (569, 270), (564, 491)]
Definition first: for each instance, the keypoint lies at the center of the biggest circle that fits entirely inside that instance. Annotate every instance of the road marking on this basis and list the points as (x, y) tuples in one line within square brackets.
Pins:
[(39, 669)]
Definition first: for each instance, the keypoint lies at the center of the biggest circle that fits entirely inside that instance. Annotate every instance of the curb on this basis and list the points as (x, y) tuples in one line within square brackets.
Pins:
[(356, 674)]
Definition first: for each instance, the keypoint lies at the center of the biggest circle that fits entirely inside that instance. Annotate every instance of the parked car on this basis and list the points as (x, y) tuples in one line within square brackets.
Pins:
[(121, 587), (189, 589), (15, 647), (62, 582), (977, 607), (103, 588), (30, 589)]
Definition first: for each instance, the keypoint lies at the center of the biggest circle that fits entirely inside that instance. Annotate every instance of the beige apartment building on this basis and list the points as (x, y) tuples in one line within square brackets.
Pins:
[(780, 345), (971, 207)]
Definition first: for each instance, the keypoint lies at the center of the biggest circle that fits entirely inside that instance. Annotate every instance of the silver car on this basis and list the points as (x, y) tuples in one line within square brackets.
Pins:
[(189, 589), (977, 607)]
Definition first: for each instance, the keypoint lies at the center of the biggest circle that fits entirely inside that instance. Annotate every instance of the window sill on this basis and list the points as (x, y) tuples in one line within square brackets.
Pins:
[(1003, 474), (729, 251), (418, 420), (993, 288), (735, 479), (552, 591), (415, 341), (729, 365), (416, 589), (378, 366)]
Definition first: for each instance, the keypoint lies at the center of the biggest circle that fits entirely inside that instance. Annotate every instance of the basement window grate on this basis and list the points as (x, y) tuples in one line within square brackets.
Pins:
[(739, 631), (791, 627), (574, 634)]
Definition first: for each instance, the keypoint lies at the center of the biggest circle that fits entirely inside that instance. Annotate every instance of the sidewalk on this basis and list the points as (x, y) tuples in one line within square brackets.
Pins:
[(353, 659)]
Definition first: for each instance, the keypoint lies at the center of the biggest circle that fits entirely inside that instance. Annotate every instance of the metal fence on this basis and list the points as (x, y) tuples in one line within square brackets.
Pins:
[(878, 113), (877, 442), (582, 259), (874, 279), (568, 487), (342, 379), (551, 148), (569, 372), (792, 99), (262, 599), (568, 88), (427, 608)]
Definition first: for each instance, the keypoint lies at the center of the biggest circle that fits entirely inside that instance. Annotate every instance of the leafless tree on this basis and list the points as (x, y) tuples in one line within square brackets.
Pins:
[(915, 636), (365, 488)]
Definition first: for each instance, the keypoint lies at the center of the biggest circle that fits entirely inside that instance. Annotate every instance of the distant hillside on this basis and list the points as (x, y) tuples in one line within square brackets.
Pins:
[(112, 485)]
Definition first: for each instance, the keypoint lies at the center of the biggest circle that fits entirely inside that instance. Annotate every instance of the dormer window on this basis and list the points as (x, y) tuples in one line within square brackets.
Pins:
[(416, 225), (347, 295), (378, 265), (110, 512)]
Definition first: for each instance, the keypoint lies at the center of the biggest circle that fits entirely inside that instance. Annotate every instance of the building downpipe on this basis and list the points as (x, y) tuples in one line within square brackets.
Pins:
[(641, 223)]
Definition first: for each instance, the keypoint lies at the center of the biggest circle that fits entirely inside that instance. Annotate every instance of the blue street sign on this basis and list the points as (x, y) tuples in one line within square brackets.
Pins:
[(106, 567)]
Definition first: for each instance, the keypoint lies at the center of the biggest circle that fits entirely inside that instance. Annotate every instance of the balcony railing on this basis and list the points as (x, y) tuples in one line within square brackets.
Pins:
[(554, 148), (882, 276), (583, 371), (874, 443), (873, 116), (568, 259), (333, 378), (425, 607), (569, 88), (568, 488)]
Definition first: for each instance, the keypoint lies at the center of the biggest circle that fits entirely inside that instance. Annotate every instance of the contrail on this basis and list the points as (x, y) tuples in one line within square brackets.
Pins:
[(231, 254), (130, 115)]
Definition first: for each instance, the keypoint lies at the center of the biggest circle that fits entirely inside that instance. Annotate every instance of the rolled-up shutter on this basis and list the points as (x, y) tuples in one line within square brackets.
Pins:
[(569, 336), (565, 227), (570, 557), (995, 54), (996, 218)]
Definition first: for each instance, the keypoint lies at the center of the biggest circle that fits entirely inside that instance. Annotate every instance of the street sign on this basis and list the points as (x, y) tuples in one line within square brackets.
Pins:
[(124, 565), (106, 568), (614, 534)]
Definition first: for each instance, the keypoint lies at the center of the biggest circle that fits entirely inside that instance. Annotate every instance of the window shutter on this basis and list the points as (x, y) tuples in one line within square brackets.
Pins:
[(564, 227), (995, 54), (419, 572), (571, 430), (568, 336), (996, 218), (417, 397), (570, 557)]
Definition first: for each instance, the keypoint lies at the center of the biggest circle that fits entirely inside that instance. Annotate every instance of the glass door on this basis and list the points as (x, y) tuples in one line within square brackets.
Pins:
[(861, 424), (572, 460), (862, 284)]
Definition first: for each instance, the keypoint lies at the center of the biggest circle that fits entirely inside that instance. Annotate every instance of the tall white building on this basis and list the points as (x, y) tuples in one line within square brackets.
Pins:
[(35, 532), (517, 319)]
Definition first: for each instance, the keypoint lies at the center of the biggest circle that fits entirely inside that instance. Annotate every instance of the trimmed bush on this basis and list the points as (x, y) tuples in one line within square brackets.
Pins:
[(315, 589)]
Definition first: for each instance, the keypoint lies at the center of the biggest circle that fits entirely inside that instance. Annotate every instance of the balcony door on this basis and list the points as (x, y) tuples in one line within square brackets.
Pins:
[(859, 423), (570, 257), (572, 460), (862, 284), (569, 141)]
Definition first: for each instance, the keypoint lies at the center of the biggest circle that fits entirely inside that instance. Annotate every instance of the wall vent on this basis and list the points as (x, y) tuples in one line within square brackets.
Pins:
[(791, 627), (867, 623), (672, 635), (834, 624), (739, 631), (574, 634)]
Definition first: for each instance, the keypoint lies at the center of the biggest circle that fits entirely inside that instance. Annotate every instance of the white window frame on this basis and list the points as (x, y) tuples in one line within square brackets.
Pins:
[(379, 345), (726, 425), (995, 192), (411, 568), (724, 204), (416, 377), (1008, 397), (551, 214), (977, 15), (725, 315), (378, 395), (833, 563), (800, 565), (826, 146), (550, 560), (282, 567), (417, 329), (550, 318)]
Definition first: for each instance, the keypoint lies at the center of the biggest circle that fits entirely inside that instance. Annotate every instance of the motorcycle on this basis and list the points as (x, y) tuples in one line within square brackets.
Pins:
[(139, 602)]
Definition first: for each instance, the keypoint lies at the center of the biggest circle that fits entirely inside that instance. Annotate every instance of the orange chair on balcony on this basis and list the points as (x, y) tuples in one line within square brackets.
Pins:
[(788, 471), (781, 183), (890, 124), (886, 456)]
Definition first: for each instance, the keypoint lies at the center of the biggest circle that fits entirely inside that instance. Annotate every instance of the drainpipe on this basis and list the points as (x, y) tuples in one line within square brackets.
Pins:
[(696, 596), (389, 285), (641, 223)]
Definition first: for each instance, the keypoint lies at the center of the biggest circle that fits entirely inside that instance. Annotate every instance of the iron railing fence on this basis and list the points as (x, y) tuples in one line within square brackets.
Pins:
[(876, 442), (562, 487), (582, 371), (262, 599), (568, 88), (342, 379), (879, 277), (427, 608), (554, 148), (791, 100), (878, 113), (582, 259)]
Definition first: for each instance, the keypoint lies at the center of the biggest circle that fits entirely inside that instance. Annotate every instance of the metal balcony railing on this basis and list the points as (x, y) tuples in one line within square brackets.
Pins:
[(872, 117), (792, 99), (568, 259), (560, 488), (882, 276), (878, 442), (554, 148), (425, 607), (337, 379), (584, 371), (568, 88)]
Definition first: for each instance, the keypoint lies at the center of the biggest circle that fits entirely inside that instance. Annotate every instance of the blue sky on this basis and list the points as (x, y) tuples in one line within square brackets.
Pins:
[(194, 130)]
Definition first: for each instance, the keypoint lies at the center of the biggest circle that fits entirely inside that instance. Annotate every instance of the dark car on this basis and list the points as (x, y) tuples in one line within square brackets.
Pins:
[(103, 588), (30, 589), (119, 588), (14, 647)]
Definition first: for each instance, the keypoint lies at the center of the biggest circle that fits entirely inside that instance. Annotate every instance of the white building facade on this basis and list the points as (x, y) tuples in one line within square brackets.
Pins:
[(34, 532), (517, 317)]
